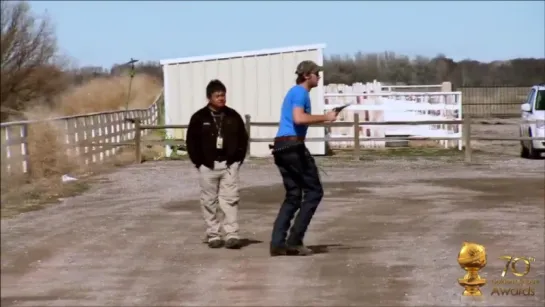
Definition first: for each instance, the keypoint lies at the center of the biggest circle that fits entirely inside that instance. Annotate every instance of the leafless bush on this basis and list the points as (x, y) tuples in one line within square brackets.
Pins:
[(29, 59)]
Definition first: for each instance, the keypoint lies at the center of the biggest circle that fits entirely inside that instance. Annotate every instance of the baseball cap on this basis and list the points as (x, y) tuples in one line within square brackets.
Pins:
[(308, 67)]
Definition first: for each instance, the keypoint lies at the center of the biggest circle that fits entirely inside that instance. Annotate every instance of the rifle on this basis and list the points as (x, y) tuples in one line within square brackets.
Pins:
[(339, 109)]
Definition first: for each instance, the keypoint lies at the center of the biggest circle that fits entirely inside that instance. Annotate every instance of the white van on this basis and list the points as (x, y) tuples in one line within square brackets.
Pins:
[(533, 122)]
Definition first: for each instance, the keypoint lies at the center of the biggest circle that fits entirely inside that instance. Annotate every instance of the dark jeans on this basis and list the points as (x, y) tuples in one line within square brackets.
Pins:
[(303, 192)]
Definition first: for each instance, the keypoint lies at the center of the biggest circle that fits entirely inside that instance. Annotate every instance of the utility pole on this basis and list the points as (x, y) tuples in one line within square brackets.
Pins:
[(131, 74)]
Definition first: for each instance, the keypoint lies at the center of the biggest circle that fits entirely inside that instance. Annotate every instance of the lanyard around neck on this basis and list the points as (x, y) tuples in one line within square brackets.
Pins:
[(218, 125)]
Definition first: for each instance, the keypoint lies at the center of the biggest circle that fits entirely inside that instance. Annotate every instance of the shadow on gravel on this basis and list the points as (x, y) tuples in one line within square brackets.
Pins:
[(498, 190), (185, 205), (327, 248), (245, 242), (271, 196)]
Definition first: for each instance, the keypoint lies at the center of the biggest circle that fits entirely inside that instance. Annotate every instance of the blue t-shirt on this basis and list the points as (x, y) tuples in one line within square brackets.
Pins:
[(297, 96)]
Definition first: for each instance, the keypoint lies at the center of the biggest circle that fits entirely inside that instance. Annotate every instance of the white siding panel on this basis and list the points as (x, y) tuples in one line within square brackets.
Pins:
[(263, 112), (211, 70), (249, 78), (185, 87), (264, 81), (172, 93), (237, 86), (198, 91), (278, 85), (256, 85), (225, 76)]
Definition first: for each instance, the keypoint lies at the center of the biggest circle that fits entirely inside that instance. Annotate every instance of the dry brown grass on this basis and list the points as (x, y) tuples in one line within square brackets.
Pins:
[(48, 155), (109, 94), (46, 147)]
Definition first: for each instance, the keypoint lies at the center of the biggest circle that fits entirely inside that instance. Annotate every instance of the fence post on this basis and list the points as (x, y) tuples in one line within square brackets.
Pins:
[(356, 136), (248, 130), (466, 135), (26, 158), (137, 140)]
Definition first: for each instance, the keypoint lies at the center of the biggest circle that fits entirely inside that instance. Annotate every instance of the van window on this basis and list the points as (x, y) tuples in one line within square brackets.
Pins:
[(540, 100), (529, 98)]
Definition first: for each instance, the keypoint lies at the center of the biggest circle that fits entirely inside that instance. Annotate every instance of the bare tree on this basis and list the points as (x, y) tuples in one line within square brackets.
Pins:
[(27, 56)]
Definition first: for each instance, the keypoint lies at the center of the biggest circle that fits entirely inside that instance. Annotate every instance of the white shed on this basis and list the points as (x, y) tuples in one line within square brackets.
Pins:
[(256, 83)]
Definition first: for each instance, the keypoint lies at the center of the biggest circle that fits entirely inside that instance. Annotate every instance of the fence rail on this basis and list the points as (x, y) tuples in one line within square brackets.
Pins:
[(91, 137), (97, 136), (466, 137), (493, 101)]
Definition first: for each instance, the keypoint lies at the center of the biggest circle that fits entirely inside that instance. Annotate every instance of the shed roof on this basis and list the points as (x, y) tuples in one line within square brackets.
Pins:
[(242, 54)]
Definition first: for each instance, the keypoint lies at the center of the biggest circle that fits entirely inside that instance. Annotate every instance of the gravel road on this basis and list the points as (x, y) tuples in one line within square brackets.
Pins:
[(387, 234)]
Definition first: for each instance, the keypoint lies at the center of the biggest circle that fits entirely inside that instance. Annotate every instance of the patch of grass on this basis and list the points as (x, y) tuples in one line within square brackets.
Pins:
[(156, 151), (410, 152), (176, 156), (405, 153), (37, 195), (402, 153)]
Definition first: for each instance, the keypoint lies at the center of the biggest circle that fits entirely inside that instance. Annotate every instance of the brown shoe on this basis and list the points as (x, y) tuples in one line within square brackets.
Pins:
[(215, 243)]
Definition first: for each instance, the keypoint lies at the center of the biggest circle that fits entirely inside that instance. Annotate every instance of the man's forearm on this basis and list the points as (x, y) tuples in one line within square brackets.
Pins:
[(309, 119)]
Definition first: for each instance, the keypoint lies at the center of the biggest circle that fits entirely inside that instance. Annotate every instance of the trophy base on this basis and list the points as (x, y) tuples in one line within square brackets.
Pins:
[(472, 293), (472, 288)]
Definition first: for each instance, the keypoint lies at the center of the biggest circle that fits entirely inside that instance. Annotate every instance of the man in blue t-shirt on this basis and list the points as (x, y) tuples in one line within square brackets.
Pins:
[(296, 165)]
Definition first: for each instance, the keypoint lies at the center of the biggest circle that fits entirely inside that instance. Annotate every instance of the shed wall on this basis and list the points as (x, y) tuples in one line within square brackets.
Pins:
[(256, 85)]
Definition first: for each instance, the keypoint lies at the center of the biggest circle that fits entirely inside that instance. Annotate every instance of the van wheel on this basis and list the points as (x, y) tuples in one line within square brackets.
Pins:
[(524, 152), (532, 153)]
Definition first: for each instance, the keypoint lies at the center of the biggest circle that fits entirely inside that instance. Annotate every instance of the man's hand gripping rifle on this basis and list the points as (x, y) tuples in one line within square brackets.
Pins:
[(339, 109)]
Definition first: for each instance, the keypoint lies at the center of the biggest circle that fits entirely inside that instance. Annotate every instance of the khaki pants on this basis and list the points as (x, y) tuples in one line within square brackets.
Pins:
[(219, 199)]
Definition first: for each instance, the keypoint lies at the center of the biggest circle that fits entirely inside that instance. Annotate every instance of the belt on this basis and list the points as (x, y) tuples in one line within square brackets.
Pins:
[(289, 138), (286, 139)]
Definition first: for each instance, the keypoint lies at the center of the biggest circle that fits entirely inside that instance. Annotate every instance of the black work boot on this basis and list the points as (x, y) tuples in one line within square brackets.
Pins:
[(277, 251), (299, 250), (233, 243), (215, 243)]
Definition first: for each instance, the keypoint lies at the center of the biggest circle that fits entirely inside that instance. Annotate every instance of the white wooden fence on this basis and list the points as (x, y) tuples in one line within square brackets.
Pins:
[(104, 127), (376, 102)]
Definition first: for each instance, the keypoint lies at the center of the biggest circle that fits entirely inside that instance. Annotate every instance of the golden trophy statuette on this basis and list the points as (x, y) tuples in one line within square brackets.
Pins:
[(472, 258)]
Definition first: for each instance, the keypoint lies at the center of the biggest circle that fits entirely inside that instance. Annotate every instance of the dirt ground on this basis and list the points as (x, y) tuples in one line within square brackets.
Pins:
[(498, 128), (387, 233)]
